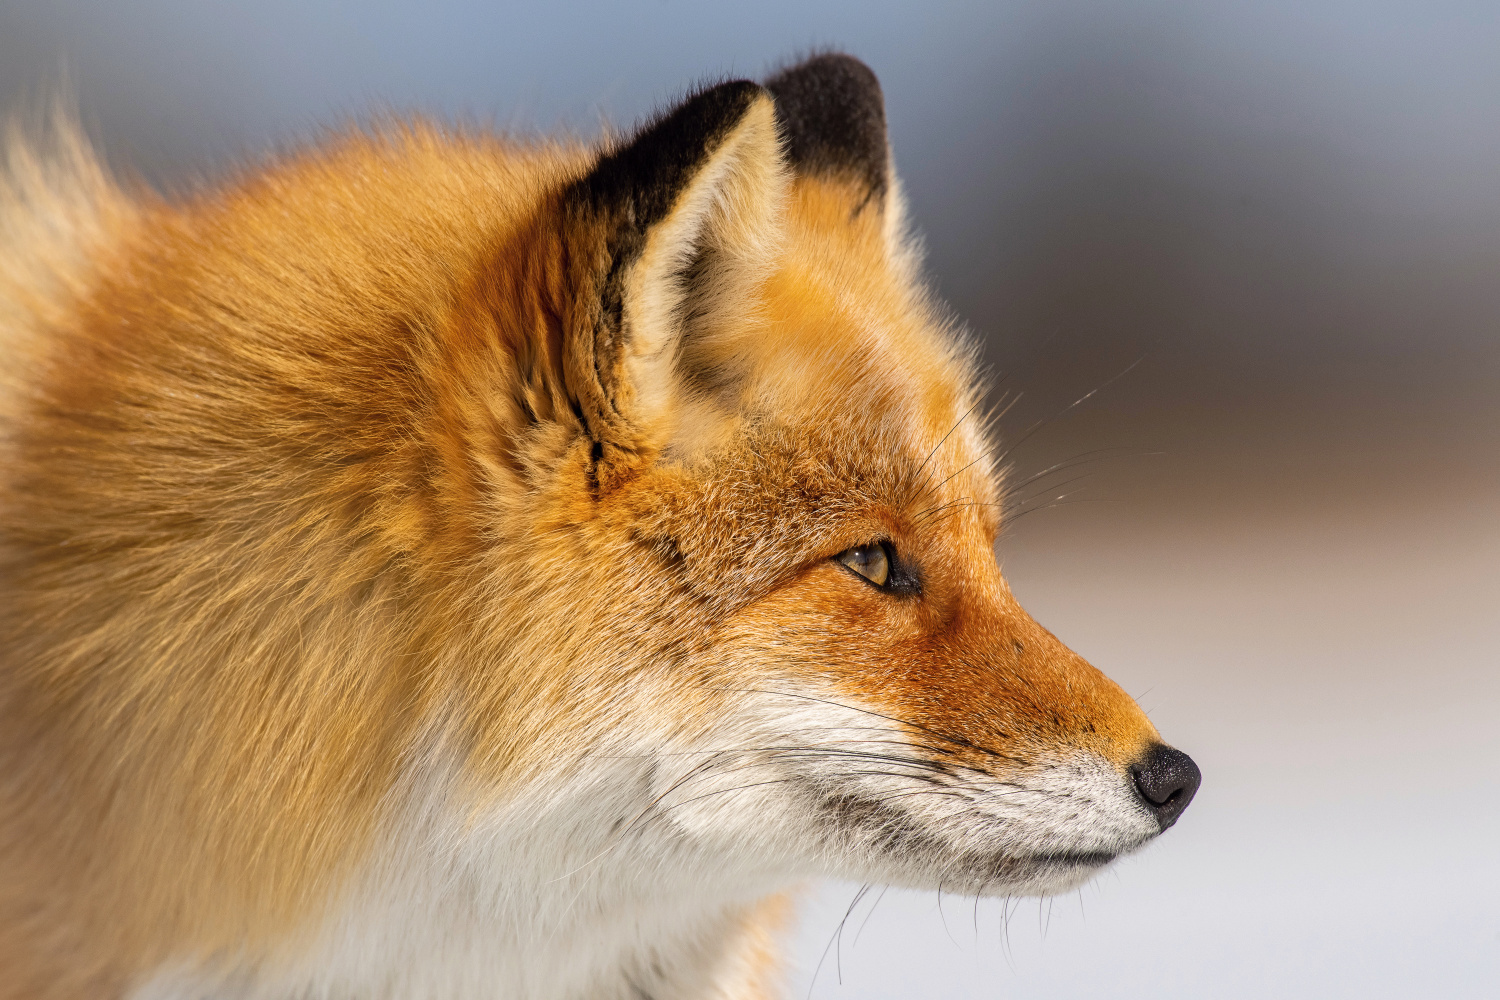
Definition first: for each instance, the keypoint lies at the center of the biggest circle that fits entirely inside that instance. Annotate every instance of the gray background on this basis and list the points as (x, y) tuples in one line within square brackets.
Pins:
[(1286, 543)]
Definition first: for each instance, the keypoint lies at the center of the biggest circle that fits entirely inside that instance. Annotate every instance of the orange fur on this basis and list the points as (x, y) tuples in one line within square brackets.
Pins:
[(305, 475)]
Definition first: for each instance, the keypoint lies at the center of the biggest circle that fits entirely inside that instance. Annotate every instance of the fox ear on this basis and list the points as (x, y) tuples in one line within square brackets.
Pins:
[(833, 115), (684, 219)]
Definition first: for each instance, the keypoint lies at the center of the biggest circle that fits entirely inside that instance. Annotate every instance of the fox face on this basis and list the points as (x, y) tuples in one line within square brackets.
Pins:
[(856, 690), (439, 566)]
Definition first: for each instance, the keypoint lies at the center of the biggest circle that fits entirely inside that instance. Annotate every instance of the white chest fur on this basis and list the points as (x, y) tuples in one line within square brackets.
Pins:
[(577, 893)]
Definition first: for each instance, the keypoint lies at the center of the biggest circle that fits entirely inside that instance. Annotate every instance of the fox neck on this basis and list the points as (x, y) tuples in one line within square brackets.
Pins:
[(558, 893)]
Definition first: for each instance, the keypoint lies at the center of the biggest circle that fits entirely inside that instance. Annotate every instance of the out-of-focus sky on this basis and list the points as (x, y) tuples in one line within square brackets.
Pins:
[(1277, 223)]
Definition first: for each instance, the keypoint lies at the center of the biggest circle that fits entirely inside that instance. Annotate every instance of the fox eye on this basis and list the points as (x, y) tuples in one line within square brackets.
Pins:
[(872, 562)]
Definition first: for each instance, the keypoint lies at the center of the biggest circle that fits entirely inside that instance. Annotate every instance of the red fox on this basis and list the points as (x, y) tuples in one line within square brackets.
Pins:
[(438, 565)]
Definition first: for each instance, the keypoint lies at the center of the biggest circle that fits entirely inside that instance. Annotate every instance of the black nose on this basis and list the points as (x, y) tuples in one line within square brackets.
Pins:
[(1166, 780)]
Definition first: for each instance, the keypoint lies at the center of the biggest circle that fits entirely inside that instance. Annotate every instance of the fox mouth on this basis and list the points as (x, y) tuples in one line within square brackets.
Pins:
[(893, 831), (1083, 859), (1029, 873), (1028, 867)]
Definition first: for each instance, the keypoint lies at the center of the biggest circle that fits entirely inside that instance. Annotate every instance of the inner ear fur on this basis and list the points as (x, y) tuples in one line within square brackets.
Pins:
[(671, 228)]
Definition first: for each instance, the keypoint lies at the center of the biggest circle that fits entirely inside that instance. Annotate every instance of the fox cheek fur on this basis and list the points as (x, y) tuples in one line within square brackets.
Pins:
[(436, 565)]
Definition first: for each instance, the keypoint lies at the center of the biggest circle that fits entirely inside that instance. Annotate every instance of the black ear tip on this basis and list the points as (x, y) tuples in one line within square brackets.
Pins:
[(707, 113), (832, 114), (838, 68), (651, 169), (727, 94)]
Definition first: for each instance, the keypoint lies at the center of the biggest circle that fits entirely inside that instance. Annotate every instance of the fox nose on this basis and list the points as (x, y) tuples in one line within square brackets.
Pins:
[(1166, 780)]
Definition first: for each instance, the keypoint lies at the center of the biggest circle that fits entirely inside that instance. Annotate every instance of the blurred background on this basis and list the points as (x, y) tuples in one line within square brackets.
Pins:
[(1265, 235)]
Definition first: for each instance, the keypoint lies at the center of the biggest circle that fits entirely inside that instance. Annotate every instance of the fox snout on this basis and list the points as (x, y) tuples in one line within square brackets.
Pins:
[(911, 720)]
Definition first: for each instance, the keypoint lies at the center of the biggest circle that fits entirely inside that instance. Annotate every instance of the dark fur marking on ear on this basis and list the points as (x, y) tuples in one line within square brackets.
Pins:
[(639, 182), (832, 115), (634, 187)]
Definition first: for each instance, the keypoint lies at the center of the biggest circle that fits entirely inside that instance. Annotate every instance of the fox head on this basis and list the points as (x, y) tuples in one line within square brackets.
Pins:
[(753, 512), (444, 518)]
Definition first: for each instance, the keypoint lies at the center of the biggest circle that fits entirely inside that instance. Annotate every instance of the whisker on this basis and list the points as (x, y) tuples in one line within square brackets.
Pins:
[(1012, 446), (815, 729), (996, 412), (726, 791), (1013, 518), (838, 951), (955, 740), (869, 914), (1077, 460), (1022, 501), (957, 505), (945, 437), (630, 825)]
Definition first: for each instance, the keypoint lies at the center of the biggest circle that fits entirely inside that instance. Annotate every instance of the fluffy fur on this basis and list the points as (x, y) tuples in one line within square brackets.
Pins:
[(418, 569)]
